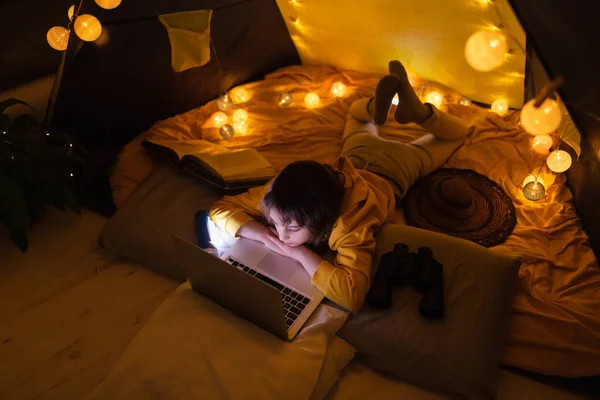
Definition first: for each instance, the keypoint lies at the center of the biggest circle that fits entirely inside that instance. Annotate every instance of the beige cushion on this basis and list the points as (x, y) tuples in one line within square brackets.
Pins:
[(163, 205), (459, 354)]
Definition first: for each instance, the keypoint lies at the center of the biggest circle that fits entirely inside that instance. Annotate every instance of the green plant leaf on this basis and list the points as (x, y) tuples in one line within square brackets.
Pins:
[(19, 239), (11, 102), (14, 212)]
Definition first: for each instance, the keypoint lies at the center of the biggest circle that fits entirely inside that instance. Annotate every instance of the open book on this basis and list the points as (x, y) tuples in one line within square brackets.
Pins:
[(218, 165)]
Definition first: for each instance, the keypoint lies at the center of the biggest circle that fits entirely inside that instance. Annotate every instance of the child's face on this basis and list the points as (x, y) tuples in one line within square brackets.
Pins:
[(291, 234)]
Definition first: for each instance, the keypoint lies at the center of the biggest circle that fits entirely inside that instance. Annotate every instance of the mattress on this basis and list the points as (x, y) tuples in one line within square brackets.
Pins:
[(555, 326)]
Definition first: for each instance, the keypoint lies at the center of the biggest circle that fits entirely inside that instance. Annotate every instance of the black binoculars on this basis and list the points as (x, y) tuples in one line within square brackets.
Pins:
[(420, 270)]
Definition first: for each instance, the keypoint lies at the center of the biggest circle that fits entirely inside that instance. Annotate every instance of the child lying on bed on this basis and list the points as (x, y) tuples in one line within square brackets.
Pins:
[(310, 204)]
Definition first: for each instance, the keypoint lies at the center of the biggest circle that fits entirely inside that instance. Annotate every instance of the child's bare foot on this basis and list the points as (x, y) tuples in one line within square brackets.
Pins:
[(409, 108), (379, 107)]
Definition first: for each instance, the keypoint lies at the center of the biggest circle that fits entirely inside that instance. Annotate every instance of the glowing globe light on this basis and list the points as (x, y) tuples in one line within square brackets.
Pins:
[(224, 103), (240, 116), (396, 99), (435, 98), (485, 50), (532, 178), (559, 161), (338, 89), (227, 131), (240, 127), (219, 119), (87, 27), (108, 4), (543, 120), (500, 107), (58, 38), (542, 143), (284, 99), (240, 95), (71, 12), (534, 191), (312, 100), (464, 101)]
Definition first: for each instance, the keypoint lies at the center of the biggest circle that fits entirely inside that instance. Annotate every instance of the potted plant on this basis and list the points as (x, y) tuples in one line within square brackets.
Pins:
[(36, 170)]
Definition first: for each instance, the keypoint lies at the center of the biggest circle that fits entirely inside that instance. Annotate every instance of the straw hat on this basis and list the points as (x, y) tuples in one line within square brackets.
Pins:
[(461, 203)]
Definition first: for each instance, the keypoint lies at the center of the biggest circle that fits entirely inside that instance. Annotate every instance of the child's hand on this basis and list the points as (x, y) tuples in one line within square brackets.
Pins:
[(278, 246)]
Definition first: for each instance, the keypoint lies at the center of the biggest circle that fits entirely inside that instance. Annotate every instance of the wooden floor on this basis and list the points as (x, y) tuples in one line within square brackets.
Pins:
[(68, 311)]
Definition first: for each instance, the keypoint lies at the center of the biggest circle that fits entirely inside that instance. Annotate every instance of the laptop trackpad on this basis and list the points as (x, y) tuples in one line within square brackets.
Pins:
[(283, 268)]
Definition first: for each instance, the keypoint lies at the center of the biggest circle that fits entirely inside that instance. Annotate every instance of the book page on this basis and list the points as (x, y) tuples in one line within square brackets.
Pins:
[(190, 147), (239, 164)]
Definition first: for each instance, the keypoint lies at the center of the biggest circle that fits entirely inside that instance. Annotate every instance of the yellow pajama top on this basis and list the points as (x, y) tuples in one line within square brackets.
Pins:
[(368, 203)]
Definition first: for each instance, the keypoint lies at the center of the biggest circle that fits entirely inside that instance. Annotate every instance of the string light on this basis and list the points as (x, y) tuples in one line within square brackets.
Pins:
[(435, 98), (219, 119), (464, 101), (227, 131), (542, 144), (541, 120), (312, 100), (284, 99), (240, 95), (87, 27), (485, 50), (532, 178), (71, 174), (500, 107), (240, 116), (224, 103), (396, 99), (559, 161), (534, 191), (58, 38), (71, 12), (338, 89), (240, 127), (108, 4)]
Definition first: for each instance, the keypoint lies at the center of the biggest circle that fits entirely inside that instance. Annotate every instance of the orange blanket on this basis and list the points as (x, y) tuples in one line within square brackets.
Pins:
[(556, 324)]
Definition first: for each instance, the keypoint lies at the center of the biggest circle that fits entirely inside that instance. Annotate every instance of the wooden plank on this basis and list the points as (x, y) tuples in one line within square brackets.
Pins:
[(68, 333), (63, 252)]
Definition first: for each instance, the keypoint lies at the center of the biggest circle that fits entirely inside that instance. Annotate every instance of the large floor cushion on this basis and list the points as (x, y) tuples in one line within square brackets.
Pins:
[(458, 354), (162, 206)]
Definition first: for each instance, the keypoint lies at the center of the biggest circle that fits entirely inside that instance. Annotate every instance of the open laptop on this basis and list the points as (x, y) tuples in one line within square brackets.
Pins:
[(270, 290)]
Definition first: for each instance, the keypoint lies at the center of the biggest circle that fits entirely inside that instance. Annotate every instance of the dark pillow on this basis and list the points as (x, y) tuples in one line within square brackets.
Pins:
[(163, 205), (459, 354)]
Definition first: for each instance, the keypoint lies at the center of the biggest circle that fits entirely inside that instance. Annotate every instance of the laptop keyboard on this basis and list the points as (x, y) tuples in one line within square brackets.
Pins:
[(293, 302)]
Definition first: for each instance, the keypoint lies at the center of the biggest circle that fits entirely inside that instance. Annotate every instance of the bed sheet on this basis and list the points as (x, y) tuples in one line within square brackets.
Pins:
[(556, 321)]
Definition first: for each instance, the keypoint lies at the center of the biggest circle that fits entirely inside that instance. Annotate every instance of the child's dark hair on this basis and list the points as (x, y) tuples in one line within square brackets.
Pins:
[(309, 193)]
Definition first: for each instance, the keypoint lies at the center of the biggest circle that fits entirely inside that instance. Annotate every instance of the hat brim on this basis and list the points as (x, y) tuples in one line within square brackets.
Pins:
[(489, 223)]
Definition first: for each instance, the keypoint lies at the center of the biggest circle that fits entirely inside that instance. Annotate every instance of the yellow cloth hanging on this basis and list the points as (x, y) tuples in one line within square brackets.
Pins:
[(189, 35)]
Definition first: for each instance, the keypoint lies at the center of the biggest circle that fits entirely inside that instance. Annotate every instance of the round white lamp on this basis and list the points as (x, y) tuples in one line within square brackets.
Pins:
[(559, 161), (500, 107), (312, 100), (240, 95), (542, 143), (284, 99), (219, 119), (435, 98), (224, 103), (87, 27), (227, 131), (240, 116), (541, 120), (338, 89), (534, 190), (58, 38), (485, 50), (108, 4)]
